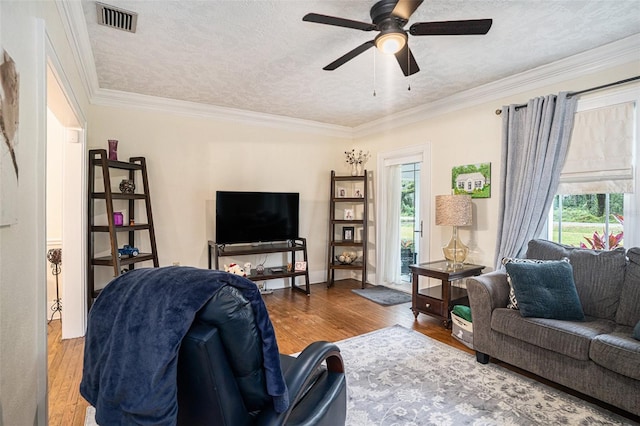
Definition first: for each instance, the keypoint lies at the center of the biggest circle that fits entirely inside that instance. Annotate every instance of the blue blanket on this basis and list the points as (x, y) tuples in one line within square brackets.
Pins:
[(133, 338)]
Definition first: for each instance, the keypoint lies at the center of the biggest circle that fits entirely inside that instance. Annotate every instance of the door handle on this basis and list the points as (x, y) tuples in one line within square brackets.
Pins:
[(420, 231)]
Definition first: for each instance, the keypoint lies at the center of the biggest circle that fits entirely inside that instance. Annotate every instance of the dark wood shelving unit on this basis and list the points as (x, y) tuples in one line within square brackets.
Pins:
[(336, 225), (216, 251), (98, 161)]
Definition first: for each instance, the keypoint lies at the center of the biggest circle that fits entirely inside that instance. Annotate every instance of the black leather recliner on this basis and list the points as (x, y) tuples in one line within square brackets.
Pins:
[(221, 380)]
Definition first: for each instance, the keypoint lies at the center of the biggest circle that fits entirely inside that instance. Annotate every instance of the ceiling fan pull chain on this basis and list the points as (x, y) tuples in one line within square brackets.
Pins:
[(374, 73), (409, 69)]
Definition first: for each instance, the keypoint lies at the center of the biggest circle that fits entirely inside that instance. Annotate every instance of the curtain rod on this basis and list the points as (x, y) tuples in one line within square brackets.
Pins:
[(591, 89)]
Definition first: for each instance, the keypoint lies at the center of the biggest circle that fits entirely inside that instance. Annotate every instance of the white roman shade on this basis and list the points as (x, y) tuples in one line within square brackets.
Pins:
[(600, 157)]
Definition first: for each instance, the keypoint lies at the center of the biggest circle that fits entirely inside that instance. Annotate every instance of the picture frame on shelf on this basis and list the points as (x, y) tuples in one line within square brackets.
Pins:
[(348, 233), (357, 193), (348, 214), (341, 192), (300, 265)]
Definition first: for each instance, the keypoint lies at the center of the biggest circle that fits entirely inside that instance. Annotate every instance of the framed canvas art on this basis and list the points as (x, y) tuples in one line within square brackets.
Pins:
[(472, 179)]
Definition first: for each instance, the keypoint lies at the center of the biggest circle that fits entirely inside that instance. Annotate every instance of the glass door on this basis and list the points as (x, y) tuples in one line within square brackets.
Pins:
[(402, 186), (410, 223)]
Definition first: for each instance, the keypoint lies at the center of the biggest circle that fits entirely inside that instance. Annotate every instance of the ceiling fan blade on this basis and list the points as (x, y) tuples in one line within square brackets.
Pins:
[(466, 27), (405, 8), (407, 62), (339, 22), (349, 56)]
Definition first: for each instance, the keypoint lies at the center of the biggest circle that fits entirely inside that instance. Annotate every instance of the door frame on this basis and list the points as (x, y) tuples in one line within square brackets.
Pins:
[(74, 207), (409, 154)]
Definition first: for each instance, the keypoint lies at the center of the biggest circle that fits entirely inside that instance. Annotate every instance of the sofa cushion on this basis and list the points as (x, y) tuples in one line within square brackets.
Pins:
[(598, 274), (617, 351), (570, 338), (636, 331), (545, 290), (629, 308)]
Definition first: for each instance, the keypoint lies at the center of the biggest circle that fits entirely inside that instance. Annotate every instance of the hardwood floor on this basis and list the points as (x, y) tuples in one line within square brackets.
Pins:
[(66, 406), (328, 314)]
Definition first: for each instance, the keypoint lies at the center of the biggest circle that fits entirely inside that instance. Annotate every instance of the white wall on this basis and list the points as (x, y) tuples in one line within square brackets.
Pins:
[(21, 255), (23, 30), (471, 136), (189, 158)]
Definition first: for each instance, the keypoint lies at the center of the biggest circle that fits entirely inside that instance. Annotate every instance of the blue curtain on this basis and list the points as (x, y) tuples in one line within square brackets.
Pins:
[(535, 141)]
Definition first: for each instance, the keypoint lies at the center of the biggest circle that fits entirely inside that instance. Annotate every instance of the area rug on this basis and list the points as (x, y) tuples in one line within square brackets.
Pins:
[(396, 376), (383, 295)]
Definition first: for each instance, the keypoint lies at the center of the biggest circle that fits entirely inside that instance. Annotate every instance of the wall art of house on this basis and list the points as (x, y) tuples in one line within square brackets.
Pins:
[(470, 182)]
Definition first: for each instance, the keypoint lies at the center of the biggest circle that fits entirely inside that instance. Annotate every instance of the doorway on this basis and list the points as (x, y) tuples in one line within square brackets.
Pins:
[(403, 186), (65, 206)]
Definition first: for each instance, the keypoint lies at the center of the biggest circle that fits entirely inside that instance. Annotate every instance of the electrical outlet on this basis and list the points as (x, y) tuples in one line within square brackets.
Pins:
[(176, 263)]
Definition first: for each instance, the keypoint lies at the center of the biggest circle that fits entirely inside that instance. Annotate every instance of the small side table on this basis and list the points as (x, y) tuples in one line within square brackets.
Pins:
[(439, 300)]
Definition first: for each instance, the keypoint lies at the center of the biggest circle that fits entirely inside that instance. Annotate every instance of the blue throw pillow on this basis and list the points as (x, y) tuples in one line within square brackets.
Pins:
[(513, 300), (636, 331), (546, 290)]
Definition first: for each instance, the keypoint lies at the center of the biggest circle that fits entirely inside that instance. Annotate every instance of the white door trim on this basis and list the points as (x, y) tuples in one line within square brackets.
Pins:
[(74, 206), (410, 154)]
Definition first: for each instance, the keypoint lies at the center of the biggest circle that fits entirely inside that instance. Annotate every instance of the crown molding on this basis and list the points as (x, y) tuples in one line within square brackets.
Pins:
[(115, 98), (75, 27), (608, 56), (599, 59)]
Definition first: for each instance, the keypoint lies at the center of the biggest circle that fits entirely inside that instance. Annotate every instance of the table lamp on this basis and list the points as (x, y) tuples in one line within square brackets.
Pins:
[(454, 210)]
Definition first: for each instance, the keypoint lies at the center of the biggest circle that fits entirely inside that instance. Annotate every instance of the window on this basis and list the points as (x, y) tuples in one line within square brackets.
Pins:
[(589, 220), (598, 202)]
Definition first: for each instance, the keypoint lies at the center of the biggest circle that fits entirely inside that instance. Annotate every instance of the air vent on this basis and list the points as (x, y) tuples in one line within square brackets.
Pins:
[(116, 18)]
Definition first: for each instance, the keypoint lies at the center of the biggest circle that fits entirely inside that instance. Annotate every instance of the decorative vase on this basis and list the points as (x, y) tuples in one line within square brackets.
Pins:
[(354, 169), (118, 218), (127, 186), (113, 149), (359, 169)]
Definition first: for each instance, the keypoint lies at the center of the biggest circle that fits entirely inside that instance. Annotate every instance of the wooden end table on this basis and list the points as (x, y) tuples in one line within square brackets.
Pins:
[(439, 300)]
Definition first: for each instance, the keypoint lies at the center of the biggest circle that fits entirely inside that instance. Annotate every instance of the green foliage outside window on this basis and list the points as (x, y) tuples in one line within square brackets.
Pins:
[(407, 197), (584, 219), (587, 208)]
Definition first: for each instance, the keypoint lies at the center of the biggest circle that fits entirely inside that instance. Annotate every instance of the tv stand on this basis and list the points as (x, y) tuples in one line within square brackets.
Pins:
[(216, 251)]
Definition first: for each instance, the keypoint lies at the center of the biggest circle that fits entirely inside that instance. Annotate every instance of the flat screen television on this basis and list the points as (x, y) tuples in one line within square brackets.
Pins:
[(252, 217)]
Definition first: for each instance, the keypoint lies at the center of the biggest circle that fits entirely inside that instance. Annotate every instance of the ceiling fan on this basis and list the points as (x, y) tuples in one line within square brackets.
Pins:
[(389, 18)]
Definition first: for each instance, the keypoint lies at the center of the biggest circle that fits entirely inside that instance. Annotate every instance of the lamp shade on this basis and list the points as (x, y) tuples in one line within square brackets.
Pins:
[(453, 210)]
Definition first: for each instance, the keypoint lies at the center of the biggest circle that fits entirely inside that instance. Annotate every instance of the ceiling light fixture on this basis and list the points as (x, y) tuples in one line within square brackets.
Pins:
[(391, 41)]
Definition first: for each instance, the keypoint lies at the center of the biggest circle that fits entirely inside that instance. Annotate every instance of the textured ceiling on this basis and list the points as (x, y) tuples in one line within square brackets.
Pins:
[(260, 56)]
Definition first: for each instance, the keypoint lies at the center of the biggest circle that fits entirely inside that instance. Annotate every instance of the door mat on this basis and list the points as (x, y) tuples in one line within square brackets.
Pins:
[(382, 295)]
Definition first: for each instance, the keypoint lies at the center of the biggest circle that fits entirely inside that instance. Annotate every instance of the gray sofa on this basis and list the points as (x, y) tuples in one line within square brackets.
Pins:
[(598, 357)]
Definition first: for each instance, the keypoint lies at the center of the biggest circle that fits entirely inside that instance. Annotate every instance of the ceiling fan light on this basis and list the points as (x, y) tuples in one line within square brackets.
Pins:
[(391, 42)]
